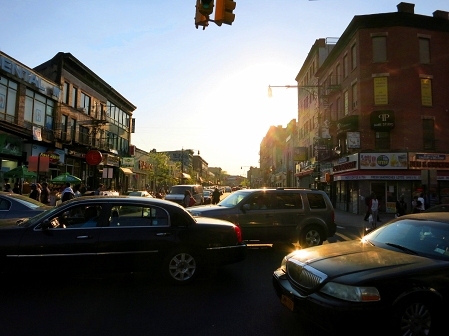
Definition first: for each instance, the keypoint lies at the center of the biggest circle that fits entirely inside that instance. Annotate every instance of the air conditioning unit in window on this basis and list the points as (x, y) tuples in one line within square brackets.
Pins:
[(82, 109)]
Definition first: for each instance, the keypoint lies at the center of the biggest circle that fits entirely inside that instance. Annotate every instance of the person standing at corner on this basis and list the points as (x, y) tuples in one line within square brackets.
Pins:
[(421, 199), (186, 199), (67, 193), (45, 193), (216, 196), (99, 190), (374, 208), (401, 206), (35, 192)]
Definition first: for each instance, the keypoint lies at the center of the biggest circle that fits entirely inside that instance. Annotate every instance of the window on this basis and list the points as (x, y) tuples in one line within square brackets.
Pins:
[(132, 216), (346, 97), (39, 109), (74, 97), (85, 102), (424, 50), (428, 134), (83, 135), (316, 201), (379, 49), (8, 99), (354, 96), (66, 93), (64, 119), (339, 111), (382, 140), (345, 66), (353, 57), (337, 74), (426, 92), (288, 201)]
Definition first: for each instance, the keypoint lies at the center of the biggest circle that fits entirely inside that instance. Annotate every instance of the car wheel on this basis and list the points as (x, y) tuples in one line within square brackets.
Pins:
[(181, 267), (416, 316), (311, 236)]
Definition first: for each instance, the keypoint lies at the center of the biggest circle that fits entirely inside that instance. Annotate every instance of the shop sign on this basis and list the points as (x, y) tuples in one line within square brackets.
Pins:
[(28, 76), (378, 177), (382, 120), (353, 139), (53, 157), (383, 160), (94, 157), (431, 161), (111, 160), (344, 164), (347, 124), (127, 162)]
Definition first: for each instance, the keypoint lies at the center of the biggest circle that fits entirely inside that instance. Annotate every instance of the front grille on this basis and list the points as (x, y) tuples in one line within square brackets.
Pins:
[(304, 275)]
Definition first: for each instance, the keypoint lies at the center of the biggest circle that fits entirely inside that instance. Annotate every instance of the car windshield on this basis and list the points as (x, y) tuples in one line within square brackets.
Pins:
[(233, 199), (422, 237)]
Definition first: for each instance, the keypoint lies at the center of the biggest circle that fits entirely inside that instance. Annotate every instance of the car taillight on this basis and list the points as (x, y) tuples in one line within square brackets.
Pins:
[(238, 232)]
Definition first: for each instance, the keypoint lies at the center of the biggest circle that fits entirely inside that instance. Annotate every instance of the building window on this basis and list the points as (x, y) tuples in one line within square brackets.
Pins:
[(354, 96), (66, 93), (337, 74), (72, 129), (380, 85), (426, 92), (8, 99), (424, 50), (85, 103), (339, 110), (428, 134), (345, 66), (39, 110), (379, 49), (64, 119), (74, 97), (83, 135), (382, 140), (346, 97), (353, 57)]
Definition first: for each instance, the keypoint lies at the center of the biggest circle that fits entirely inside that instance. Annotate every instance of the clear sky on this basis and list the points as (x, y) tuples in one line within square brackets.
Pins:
[(195, 89)]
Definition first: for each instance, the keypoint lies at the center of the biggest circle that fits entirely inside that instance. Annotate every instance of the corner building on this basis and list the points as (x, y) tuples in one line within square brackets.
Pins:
[(383, 110)]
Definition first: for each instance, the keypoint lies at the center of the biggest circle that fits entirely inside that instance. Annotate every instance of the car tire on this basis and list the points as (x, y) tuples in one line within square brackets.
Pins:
[(311, 236), (180, 267), (416, 316)]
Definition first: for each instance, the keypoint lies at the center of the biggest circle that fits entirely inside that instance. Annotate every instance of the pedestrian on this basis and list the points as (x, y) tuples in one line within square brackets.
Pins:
[(401, 206), (368, 211), (186, 199), (35, 192), (216, 196), (76, 190), (8, 187), (99, 189), (67, 193), (421, 199), (45, 193), (83, 188), (374, 208), (16, 189)]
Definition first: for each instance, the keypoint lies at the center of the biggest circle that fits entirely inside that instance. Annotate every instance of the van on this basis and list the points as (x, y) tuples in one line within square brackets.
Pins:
[(304, 216), (176, 193)]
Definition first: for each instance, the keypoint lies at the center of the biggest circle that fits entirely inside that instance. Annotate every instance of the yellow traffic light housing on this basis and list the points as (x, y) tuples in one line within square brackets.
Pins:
[(200, 19), (206, 7), (223, 12)]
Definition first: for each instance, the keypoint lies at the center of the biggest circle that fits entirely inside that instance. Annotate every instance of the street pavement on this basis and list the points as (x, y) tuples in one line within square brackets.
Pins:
[(343, 218)]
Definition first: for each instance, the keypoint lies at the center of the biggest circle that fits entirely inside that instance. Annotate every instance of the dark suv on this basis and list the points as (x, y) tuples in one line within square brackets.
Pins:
[(276, 215)]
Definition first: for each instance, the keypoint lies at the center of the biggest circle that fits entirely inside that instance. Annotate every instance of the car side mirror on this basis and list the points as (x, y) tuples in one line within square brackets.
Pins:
[(246, 207)]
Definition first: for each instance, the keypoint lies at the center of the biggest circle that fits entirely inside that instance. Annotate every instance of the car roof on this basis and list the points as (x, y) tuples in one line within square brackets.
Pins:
[(430, 216)]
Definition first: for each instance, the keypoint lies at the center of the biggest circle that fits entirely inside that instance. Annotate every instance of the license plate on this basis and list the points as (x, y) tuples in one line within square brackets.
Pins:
[(286, 301)]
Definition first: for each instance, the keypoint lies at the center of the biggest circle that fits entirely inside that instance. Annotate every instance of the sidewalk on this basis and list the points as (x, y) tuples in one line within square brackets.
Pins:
[(343, 218)]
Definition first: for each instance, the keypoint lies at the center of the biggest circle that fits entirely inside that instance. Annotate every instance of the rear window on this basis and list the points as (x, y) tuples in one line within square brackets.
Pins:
[(316, 201), (178, 189)]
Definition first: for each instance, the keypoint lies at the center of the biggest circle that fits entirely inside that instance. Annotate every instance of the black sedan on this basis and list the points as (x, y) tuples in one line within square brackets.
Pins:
[(19, 206), (395, 279), (100, 234)]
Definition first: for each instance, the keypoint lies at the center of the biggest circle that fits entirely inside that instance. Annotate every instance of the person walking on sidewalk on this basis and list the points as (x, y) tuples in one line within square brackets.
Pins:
[(368, 208), (374, 208)]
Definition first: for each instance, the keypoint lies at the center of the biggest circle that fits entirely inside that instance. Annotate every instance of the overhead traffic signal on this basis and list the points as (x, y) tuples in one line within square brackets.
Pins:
[(206, 7), (223, 12), (200, 18)]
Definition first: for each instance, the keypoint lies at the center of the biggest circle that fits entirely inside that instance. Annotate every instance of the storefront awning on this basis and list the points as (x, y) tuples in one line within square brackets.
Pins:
[(399, 175), (186, 176), (126, 171)]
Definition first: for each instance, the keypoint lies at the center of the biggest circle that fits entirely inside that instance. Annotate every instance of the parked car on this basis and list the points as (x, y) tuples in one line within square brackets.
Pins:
[(176, 193), (395, 278), (16, 206), (119, 234), (276, 215), (207, 196), (142, 193), (438, 208)]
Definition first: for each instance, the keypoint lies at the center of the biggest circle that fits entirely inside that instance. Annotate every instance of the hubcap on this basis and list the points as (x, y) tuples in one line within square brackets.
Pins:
[(182, 267), (313, 238), (416, 320)]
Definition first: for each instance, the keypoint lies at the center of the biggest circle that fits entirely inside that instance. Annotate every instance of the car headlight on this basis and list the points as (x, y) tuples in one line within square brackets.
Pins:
[(351, 293)]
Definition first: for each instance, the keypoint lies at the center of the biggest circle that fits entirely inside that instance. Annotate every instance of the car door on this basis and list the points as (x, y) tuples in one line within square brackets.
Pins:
[(290, 212), (68, 247), (136, 238), (256, 218)]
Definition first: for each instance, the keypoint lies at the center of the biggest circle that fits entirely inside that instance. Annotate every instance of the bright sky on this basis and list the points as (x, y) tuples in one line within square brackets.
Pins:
[(194, 89)]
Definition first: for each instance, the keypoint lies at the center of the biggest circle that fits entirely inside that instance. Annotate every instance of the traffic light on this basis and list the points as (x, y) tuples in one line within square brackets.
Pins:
[(200, 19), (223, 12), (206, 7)]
